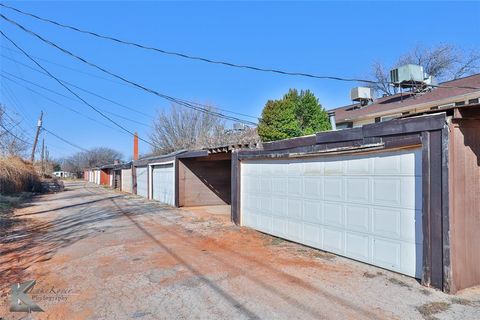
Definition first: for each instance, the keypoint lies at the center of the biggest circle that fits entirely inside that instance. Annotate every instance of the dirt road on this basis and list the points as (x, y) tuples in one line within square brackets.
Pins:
[(100, 254)]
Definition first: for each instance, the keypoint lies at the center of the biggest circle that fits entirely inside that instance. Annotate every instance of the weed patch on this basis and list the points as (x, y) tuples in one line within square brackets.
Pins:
[(428, 310)]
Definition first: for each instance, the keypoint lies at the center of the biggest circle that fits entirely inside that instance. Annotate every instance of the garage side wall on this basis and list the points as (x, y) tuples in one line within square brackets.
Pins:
[(465, 203), (203, 183)]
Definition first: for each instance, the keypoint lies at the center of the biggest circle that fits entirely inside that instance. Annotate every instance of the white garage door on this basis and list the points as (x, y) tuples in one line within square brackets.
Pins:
[(127, 180), (366, 207), (142, 181), (163, 183)]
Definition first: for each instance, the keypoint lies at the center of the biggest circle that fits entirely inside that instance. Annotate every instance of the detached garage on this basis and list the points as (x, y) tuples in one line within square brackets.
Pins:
[(141, 179), (366, 207), (127, 179), (163, 182), (385, 194)]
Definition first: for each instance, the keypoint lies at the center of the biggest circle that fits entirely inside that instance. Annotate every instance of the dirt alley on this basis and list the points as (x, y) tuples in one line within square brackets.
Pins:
[(100, 254)]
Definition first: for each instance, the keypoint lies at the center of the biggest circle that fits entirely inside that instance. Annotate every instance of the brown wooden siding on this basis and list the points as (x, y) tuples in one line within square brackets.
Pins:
[(464, 196), (204, 182)]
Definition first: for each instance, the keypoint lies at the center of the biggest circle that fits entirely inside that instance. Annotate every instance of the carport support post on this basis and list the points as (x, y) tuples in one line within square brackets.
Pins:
[(435, 231), (235, 207)]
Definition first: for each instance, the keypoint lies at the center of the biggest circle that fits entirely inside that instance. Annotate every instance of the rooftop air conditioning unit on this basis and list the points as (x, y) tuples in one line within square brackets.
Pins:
[(361, 94), (408, 75), (239, 126)]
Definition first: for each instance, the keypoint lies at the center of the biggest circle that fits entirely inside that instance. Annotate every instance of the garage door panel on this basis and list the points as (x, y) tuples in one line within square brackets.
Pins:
[(163, 183), (279, 186), (357, 190), (313, 168), (312, 234), (357, 246), (333, 167), (333, 240), (411, 226), (358, 166), (266, 206), (313, 187), (333, 214), (295, 186), (295, 208), (266, 184), (333, 188), (294, 230), (295, 169), (367, 207), (386, 191), (142, 181), (386, 222), (312, 211), (386, 253), (357, 218), (280, 226), (279, 206)]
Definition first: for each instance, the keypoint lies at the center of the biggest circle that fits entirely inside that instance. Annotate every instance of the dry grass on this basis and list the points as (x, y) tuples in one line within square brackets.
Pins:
[(17, 175), (428, 310)]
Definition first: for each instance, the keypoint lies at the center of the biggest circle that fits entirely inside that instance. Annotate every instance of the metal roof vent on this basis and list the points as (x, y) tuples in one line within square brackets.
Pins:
[(362, 95)]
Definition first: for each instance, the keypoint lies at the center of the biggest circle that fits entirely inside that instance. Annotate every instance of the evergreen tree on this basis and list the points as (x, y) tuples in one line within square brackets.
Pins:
[(292, 116)]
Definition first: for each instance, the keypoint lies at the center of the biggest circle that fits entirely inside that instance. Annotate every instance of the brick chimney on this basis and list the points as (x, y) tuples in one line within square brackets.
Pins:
[(135, 146)]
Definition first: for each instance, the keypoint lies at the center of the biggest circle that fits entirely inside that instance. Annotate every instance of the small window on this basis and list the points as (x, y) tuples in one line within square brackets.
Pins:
[(390, 117), (377, 119), (472, 101), (405, 113), (434, 108), (459, 103)]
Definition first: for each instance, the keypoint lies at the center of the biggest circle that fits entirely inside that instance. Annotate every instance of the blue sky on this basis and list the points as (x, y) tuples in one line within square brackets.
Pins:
[(327, 38)]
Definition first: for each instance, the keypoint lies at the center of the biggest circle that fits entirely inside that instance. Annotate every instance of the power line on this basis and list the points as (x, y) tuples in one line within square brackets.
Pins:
[(114, 81), (54, 101), (66, 97), (82, 89), (207, 60), (64, 140), (12, 120), (152, 91), (71, 91), (14, 135)]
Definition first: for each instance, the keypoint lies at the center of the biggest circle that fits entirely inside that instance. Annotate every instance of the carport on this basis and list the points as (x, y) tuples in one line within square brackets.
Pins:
[(381, 194), (204, 178)]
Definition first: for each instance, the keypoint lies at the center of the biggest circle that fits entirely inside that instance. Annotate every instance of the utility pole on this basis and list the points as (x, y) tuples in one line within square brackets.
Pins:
[(43, 157), (39, 127)]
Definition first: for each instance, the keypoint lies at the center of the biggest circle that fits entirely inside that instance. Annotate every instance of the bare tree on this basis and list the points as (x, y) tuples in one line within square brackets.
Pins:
[(444, 62), (187, 129), (12, 138), (181, 128), (88, 159)]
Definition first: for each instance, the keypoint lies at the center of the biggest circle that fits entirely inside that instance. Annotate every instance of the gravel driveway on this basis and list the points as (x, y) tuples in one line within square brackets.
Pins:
[(101, 254)]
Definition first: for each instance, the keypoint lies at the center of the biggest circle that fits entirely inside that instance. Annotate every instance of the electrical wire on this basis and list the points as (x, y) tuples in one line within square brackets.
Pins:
[(73, 92), (82, 89), (14, 135), (64, 140), (54, 101), (208, 60), (66, 97), (149, 90), (114, 81)]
